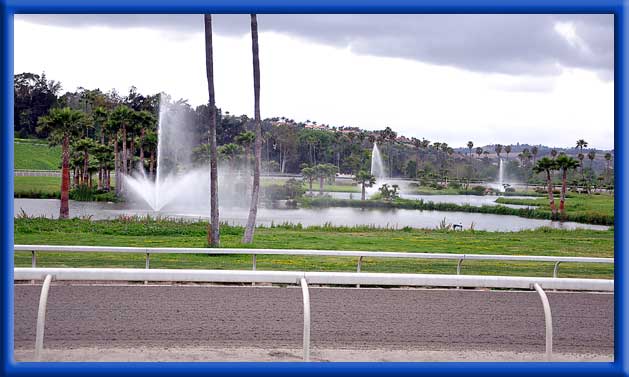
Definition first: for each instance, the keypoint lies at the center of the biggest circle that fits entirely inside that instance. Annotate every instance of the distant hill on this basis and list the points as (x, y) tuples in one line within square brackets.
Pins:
[(34, 154), (543, 150)]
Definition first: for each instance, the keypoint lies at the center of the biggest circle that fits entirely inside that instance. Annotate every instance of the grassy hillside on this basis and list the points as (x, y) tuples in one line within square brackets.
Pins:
[(35, 155)]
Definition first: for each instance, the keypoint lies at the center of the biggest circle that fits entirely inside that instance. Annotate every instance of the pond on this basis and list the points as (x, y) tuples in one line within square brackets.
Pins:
[(338, 216), (472, 200)]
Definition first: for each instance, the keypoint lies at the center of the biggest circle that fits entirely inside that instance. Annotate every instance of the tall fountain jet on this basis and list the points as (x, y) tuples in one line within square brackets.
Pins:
[(501, 169), (176, 180), (377, 167), (500, 172)]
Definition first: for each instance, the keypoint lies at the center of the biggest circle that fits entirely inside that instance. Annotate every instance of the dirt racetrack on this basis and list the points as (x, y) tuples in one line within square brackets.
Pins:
[(167, 317)]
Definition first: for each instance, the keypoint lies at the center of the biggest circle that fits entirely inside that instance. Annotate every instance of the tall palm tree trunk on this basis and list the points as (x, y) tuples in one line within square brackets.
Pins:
[(86, 173), (64, 209), (131, 153), (142, 149), (100, 176), (362, 197), (551, 198), (124, 154), (75, 176), (116, 163), (213, 234), (255, 191), (562, 199)]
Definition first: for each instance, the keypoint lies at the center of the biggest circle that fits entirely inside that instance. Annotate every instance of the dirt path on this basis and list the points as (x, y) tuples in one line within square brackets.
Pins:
[(355, 320)]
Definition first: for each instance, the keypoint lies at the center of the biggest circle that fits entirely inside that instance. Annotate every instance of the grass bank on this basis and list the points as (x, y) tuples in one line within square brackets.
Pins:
[(165, 233), (595, 208), (50, 188), (33, 154), (587, 217)]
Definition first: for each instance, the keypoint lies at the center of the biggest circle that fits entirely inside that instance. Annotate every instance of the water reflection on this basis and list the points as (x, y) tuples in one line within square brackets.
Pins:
[(392, 218)]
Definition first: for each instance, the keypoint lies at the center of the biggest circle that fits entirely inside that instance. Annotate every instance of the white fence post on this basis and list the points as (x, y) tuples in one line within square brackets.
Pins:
[(41, 318), (254, 260), (306, 296), (147, 266), (556, 269), (358, 267), (33, 262), (549, 321)]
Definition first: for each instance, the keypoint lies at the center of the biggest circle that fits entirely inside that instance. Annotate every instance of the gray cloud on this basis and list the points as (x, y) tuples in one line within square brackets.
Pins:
[(510, 44)]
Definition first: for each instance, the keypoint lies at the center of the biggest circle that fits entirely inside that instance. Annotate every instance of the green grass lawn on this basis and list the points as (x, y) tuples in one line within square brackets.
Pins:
[(583, 204), (152, 233), (31, 186), (35, 155)]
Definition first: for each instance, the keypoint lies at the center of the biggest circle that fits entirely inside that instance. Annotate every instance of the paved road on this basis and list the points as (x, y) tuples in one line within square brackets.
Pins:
[(162, 316)]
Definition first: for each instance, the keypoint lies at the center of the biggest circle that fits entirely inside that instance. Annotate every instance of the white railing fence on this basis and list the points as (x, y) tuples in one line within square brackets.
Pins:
[(305, 278), (361, 255)]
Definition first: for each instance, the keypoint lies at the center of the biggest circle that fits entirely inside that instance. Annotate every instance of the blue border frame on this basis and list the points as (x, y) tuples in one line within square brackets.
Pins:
[(10, 7)]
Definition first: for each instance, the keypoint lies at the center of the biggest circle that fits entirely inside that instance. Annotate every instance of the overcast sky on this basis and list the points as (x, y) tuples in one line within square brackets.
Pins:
[(538, 79)]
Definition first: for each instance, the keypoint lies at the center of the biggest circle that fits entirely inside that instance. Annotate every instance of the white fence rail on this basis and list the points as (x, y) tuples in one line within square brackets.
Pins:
[(37, 173), (34, 249), (305, 278)]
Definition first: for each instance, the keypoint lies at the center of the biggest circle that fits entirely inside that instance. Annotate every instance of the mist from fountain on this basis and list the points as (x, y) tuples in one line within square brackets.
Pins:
[(500, 184), (377, 170), (377, 166), (180, 184)]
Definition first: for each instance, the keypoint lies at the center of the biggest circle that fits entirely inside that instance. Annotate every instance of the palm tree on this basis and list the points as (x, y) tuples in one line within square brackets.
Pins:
[(324, 171), (113, 130), (364, 179), (581, 156), (309, 175), (146, 122), (507, 151), (548, 165), (591, 156), (230, 152), (479, 151), (470, 145), (564, 163), (103, 154), (255, 192), (246, 139), (120, 119), (62, 125), (85, 145), (498, 149), (150, 143), (608, 158), (553, 153), (101, 117), (213, 234), (534, 151), (581, 144), (388, 137)]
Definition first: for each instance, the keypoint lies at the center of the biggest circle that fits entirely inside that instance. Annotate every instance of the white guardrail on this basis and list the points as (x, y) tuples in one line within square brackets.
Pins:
[(34, 249), (305, 278)]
